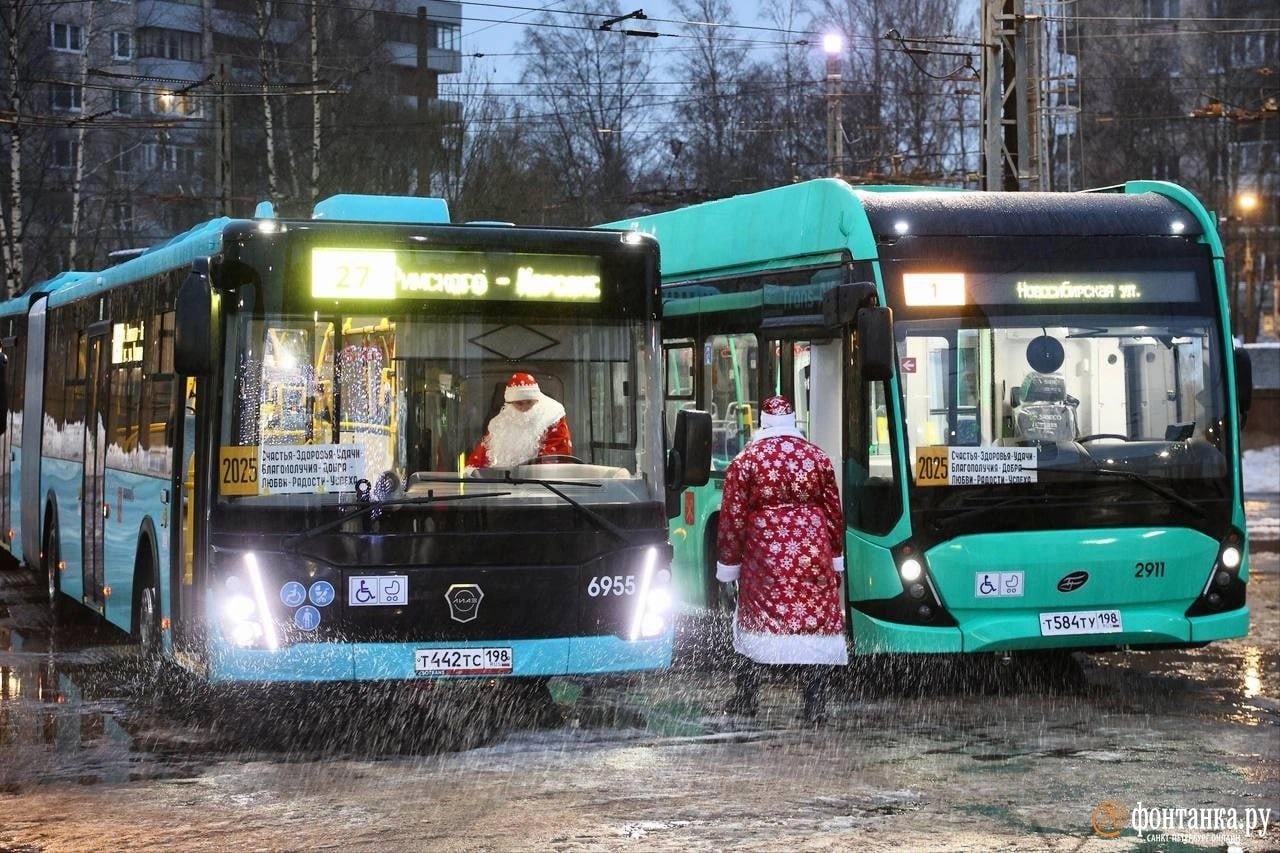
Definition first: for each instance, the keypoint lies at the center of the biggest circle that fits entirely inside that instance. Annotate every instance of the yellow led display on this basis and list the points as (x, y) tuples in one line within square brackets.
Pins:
[(933, 288), (385, 274)]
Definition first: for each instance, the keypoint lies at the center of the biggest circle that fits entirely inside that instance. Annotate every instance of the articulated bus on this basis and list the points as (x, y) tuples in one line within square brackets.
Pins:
[(1031, 397), (246, 447)]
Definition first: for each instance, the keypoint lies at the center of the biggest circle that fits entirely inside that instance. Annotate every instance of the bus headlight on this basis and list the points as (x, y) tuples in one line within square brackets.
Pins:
[(911, 570), (653, 603), (1230, 557), (246, 618)]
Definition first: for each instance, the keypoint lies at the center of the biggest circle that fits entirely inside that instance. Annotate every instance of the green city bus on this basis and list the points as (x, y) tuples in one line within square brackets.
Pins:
[(1031, 397)]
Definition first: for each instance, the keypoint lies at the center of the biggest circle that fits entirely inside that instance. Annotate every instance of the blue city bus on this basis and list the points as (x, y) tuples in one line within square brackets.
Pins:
[(1032, 400), (246, 447)]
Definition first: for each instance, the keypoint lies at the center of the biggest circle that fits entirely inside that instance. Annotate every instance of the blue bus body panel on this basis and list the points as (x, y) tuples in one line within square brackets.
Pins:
[(394, 661), (15, 502), (200, 242), (135, 504), (61, 480)]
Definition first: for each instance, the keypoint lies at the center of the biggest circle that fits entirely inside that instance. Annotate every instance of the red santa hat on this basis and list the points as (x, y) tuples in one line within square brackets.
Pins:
[(777, 412), (522, 386)]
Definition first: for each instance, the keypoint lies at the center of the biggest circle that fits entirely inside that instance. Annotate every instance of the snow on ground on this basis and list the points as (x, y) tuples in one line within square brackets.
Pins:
[(1262, 469)]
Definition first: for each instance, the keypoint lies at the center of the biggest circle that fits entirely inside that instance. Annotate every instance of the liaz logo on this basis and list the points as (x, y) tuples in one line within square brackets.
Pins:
[(464, 601), (1073, 581)]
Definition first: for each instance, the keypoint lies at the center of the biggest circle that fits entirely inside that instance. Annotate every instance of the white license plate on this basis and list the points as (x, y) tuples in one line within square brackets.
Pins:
[(476, 660), (1080, 622)]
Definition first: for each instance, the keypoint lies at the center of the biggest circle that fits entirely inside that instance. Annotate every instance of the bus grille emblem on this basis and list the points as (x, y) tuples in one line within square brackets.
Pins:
[(1073, 581), (464, 601)]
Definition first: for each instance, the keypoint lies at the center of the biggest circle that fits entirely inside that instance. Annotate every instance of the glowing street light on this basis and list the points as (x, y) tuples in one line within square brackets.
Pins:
[(833, 47), (1247, 201)]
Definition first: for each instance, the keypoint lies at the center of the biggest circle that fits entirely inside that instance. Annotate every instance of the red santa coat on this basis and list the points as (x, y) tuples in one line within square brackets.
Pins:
[(514, 437), (781, 536)]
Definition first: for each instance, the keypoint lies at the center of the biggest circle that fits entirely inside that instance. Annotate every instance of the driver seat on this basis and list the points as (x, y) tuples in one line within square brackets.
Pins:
[(1044, 410)]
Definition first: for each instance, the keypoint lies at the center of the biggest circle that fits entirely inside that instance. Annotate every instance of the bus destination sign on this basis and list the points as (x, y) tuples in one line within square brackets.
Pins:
[(1047, 288), (387, 274)]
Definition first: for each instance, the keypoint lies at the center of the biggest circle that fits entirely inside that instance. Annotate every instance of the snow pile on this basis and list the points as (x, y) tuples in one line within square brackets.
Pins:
[(1261, 469)]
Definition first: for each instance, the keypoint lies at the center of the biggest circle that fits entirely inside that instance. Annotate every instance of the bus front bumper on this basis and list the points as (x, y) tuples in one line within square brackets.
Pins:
[(395, 661), (1020, 631)]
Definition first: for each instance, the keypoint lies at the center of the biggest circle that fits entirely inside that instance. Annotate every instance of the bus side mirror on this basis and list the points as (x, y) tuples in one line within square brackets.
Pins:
[(875, 343), (4, 392), (689, 459), (193, 324), (1244, 383)]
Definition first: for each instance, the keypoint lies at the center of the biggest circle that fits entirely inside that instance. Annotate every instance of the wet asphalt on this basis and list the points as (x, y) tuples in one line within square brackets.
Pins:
[(101, 751)]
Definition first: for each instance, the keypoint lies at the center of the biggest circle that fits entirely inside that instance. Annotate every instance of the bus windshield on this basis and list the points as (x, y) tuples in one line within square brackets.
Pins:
[(407, 403), (1002, 400)]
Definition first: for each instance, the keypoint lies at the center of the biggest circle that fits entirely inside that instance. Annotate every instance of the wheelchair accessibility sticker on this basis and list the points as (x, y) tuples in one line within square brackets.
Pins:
[(998, 584), (378, 590)]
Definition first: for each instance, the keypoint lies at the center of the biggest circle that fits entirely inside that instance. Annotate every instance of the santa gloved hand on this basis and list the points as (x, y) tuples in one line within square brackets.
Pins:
[(837, 563), (726, 573)]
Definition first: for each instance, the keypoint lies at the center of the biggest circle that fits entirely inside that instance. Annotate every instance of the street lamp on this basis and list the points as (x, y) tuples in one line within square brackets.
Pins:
[(1247, 203), (833, 47)]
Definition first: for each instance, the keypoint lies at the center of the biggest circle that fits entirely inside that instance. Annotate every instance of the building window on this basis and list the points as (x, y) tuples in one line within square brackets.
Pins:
[(124, 157), (64, 37), (66, 97), (172, 158), (447, 36), (1161, 8), (123, 101), (122, 215), (64, 153), (168, 104), (121, 46), (169, 44)]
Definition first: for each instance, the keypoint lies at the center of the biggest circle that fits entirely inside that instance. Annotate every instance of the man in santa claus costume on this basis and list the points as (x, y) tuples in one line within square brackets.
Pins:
[(781, 538), (530, 425)]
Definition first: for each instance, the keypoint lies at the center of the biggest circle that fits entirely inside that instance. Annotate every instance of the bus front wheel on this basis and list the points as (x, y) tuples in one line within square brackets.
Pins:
[(146, 609), (50, 560)]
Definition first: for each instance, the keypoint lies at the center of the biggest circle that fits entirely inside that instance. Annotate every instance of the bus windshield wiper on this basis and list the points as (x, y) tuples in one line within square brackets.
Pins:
[(587, 512), (292, 542), (1163, 491)]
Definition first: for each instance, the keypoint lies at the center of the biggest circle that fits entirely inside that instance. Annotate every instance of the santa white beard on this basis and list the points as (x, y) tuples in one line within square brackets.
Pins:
[(515, 437)]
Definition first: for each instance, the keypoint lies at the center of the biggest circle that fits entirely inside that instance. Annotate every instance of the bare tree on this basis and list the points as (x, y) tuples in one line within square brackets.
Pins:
[(592, 94)]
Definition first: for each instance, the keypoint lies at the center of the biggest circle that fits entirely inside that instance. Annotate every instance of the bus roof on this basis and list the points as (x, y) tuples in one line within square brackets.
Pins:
[(815, 221)]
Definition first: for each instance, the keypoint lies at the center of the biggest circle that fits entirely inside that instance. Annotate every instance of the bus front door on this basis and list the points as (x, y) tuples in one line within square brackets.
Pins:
[(95, 508), (8, 503)]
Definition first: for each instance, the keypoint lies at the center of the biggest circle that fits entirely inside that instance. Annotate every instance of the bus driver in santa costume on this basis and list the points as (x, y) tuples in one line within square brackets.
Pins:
[(530, 425), (781, 538)]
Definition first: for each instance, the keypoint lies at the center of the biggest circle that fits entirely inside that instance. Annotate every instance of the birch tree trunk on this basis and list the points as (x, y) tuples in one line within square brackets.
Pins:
[(313, 189), (265, 12), (77, 180), (13, 265)]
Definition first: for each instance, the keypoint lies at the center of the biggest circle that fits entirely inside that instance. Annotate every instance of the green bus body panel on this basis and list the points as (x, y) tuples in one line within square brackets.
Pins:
[(869, 568), (745, 233)]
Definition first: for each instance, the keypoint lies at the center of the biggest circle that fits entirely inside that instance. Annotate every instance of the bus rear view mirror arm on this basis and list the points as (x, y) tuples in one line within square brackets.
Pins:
[(193, 326)]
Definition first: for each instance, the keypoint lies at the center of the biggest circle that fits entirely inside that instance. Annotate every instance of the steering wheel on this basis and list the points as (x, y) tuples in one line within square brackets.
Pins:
[(1098, 435), (554, 457)]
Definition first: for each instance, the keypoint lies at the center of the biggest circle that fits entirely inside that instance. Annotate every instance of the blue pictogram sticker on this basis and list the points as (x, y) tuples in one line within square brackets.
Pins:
[(293, 594), (321, 593), (307, 618)]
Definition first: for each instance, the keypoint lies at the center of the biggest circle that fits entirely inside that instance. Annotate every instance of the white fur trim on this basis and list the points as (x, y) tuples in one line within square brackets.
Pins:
[(726, 573), (769, 421), (837, 563), (791, 648), (521, 392), (515, 437), (776, 432)]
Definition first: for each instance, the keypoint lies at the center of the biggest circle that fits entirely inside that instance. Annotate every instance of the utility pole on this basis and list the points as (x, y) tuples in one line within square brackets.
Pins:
[(833, 45), (1012, 112), (427, 92), (222, 139)]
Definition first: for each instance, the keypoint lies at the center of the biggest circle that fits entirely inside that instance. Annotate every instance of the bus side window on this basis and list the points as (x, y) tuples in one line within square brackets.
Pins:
[(872, 492), (678, 369), (731, 374)]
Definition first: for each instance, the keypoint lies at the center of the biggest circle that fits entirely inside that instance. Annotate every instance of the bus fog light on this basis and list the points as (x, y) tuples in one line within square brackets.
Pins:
[(916, 590), (1222, 578), (654, 624), (925, 611), (911, 570), (1230, 557), (1214, 599), (246, 633)]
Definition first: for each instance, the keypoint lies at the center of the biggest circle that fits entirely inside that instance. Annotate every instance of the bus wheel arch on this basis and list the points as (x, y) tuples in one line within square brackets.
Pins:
[(146, 606)]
